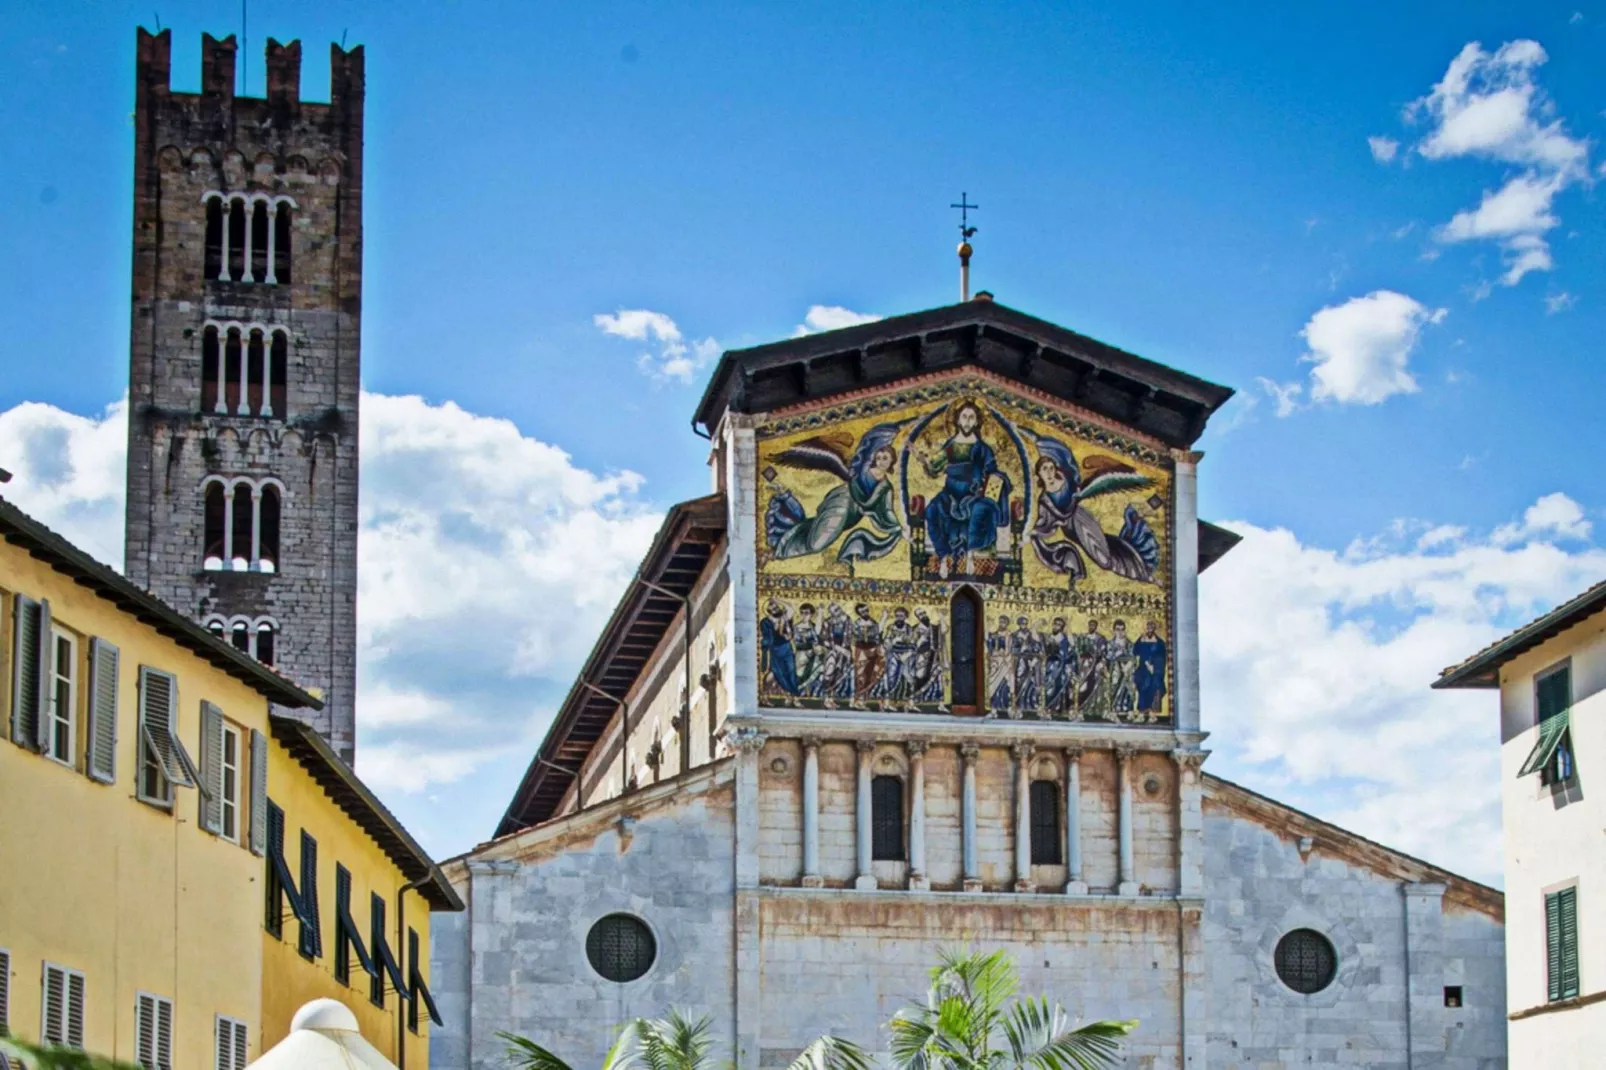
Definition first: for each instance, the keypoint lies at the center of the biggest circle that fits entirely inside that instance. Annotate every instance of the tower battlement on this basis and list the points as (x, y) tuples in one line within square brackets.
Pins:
[(282, 61)]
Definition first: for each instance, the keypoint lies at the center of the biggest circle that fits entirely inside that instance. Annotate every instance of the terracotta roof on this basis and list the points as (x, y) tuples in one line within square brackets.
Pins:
[(1483, 668), (22, 530), (679, 552), (1160, 401), (341, 783)]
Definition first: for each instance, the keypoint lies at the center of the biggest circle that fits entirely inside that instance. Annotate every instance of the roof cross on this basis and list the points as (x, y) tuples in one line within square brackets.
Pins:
[(965, 208)]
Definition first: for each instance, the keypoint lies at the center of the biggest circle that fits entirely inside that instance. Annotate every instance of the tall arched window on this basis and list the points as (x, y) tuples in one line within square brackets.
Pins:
[(240, 636), (236, 241), (229, 396), (240, 547), (1045, 807), (886, 819), (266, 636), (281, 244), (256, 368), (267, 548), (212, 541), (278, 375), (965, 650), (214, 237), (260, 225), (209, 369)]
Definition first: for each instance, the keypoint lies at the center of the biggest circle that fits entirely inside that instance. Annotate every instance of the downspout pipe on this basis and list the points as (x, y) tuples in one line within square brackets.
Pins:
[(685, 706)]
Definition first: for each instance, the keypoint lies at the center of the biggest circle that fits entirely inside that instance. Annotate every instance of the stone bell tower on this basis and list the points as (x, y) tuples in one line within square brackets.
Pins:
[(244, 360)]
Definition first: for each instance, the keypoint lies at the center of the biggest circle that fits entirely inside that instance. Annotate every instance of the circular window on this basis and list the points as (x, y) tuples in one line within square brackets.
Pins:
[(1306, 961), (620, 947)]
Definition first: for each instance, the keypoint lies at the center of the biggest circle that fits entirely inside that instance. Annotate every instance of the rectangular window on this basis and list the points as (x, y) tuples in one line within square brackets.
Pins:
[(230, 1044), (1045, 812), (418, 989), (57, 732), (153, 1032), (311, 941), (1561, 943), (886, 819), (384, 959), (347, 938), (229, 788), (61, 1007), (280, 885), (163, 761), (1553, 699)]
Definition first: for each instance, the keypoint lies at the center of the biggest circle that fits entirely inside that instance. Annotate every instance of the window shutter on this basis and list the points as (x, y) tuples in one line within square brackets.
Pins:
[(1568, 910), (5, 993), (211, 800), (1553, 944), (259, 793), (100, 755), (47, 683), (26, 681), (145, 1031), (311, 942), (158, 716), (52, 1005), (75, 1009), (164, 1034), (222, 1044), (241, 1045)]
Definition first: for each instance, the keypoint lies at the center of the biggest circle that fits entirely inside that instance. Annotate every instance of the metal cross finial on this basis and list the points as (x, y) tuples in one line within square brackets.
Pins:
[(965, 208)]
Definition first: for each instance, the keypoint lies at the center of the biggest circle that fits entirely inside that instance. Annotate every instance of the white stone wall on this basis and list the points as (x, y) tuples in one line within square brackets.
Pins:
[(516, 959), (1260, 885)]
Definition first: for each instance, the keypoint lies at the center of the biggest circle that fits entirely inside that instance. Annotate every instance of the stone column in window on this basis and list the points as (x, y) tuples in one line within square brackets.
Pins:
[(866, 877), (1022, 753), (228, 526), (1074, 884), (811, 814), (256, 532), (250, 225), (1123, 776), (972, 878), (916, 749), (273, 234), (223, 261), (243, 406), (221, 405)]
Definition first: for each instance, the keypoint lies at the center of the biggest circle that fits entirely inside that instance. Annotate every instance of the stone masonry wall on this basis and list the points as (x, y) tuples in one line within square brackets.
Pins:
[(186, 146)]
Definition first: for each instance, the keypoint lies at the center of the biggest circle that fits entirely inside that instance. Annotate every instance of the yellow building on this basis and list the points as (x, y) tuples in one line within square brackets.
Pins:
[(149, 912)]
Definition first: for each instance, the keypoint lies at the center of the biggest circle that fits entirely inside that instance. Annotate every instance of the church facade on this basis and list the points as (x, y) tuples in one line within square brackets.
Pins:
[(922, 672)]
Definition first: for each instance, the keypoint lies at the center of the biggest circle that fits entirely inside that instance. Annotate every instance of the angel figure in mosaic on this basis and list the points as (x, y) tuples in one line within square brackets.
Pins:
[(865, 494), (1064, 530)]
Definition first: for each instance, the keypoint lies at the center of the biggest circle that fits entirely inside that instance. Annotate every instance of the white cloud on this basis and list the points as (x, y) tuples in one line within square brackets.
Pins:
[(830, 318), (1384, 149), (1362, 347), (1554, 516), (674, 358), (1284, 395), (69, 471), (1317, 665), (1488, 106), (1559, 302), (488, 561)]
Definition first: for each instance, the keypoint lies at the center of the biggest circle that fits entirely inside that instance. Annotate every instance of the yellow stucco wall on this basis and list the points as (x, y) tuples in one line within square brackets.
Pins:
[(137, 898), (288, 979)]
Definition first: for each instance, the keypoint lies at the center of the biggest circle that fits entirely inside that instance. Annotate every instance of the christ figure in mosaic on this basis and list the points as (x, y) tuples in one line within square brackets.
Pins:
[(961, 520)]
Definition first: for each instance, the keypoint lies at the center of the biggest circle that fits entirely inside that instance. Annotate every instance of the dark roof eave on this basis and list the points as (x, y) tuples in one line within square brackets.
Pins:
[(23, 530), (360, 804), (1482, 670), (717, 396)]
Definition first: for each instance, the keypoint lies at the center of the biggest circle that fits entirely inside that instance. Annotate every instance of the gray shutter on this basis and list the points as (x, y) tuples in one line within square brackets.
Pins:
[(259, 793), (5, 993), (145, 1031), (241, 1043), (100, 750), (75, 1010), (25, 680), (158, 716), (164, 1035), (47, 683), (211, 768), (222, 1044)]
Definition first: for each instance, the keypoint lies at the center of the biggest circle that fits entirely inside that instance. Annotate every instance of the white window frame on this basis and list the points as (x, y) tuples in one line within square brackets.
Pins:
[(60, 1032), (229, 799), (52, 708), (160, 1060)]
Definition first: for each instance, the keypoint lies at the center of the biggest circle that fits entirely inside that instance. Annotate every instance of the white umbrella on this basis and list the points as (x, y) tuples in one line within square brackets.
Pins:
[(323, 1036)]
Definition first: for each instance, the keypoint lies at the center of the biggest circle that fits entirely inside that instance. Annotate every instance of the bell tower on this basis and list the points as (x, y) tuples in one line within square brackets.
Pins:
[(244, 360)]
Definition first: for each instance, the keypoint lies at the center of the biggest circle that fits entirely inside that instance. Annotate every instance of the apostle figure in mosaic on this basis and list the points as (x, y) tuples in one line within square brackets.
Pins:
[(806, 650), (1000, 670), (961, 519), (1148, 676), (897, 685), (834, 682), (928, 662), (1090, 671), (865, 495), (1122, 663), (1059, 661), (1026, 649), (869, 659), (1064, 529), (775, 643)]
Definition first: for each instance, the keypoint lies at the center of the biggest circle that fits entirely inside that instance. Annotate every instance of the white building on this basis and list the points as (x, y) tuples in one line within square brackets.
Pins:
[(922, 671), (1551, 675)]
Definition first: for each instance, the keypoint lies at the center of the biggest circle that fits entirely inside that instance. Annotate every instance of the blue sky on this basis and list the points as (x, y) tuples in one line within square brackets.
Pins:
[(1190, 183)]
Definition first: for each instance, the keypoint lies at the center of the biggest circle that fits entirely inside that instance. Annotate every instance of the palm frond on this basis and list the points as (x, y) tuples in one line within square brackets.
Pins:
[(525, 1054), (50, 1057), (675, 1042), (831, 1053)]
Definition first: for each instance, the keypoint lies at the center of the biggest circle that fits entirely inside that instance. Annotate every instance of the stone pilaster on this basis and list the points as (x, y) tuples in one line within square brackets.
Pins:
[(864, 816), (916, 750), (811, 813), (1074, 884), (1022, 753), (968, 754), (1123, 763)]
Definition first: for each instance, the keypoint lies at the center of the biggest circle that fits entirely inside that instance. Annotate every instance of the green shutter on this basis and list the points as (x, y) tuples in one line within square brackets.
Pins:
[(1554, 693), (1553, 945), (26, 680), (1551, 730), (1569, 942)]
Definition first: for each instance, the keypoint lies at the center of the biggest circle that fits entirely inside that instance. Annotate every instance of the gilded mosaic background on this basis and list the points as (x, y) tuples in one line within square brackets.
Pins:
[(875, 512)]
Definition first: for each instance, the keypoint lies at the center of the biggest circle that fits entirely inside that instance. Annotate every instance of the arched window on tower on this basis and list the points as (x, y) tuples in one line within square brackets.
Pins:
[(256, 368), (210, 353), (886, 819), (260, 224), (965, 650), (278, 375), (229, 396), (240, 636), (1045, 807), (268, 530), (266, 635), (281, 243), (216, 627), (214, 237), (240, 545), (212, 543), (236, 240)]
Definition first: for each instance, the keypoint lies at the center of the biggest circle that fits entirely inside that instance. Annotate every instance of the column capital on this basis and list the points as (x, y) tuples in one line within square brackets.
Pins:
[(1022, 750), (810, 743), (1073, 753), (915, 748), (1187, 457), (969, 752), (1188, 761), (1124, 752), (746, 740), (864, 746)]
